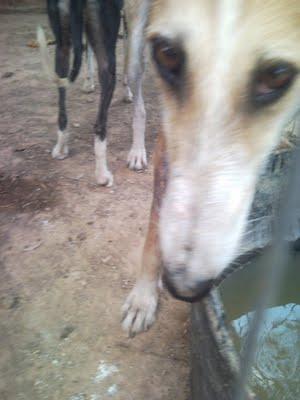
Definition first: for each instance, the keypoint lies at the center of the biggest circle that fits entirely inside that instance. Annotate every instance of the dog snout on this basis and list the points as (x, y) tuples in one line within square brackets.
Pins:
[(182, 288)]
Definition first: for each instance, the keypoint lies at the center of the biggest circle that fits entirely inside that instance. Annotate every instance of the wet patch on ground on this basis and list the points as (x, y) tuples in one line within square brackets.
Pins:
[(18, 195)]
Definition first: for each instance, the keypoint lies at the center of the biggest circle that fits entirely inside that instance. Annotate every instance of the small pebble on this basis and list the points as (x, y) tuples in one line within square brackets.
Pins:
[(68, 329), (112, 390), (79, 396), (106, 259), (81, 236), (7, 75), (15, 302)]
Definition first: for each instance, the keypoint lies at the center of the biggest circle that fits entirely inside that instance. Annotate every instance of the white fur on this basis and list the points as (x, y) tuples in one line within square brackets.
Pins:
[(64, 6), (216, 143), (140, 307), (216, 150), (103, 176), (137, 158), (89, 71), (45, 57), (128, 96), (46, 61), (61, 149)]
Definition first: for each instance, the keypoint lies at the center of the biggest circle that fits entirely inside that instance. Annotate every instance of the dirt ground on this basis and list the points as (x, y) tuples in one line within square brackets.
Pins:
[(69, 249)]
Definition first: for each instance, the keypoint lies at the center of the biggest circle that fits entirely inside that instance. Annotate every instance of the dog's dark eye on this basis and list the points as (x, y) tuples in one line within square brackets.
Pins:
[(169, 59), (272, 82)]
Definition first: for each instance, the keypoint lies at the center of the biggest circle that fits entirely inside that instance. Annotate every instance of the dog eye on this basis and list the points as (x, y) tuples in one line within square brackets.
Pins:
[(169, 59), (272, 82)]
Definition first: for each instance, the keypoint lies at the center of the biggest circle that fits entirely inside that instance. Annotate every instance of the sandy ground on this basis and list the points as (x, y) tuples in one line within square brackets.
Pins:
[(69, 249)]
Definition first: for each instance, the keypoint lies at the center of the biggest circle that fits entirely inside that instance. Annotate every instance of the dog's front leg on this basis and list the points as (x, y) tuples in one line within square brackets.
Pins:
[(139, 310)]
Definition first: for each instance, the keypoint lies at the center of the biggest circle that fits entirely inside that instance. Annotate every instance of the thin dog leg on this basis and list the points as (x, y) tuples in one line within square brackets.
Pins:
[(128, 96), (139, 309), (62, 57), (89, 71), (137, 158), (91, 67), (107, 80), (102, 34)]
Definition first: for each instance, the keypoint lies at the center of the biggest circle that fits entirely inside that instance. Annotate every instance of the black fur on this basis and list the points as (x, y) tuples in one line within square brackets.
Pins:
[(53, 14), (108, 14), (62, 116), (76, 18), (100, 20)]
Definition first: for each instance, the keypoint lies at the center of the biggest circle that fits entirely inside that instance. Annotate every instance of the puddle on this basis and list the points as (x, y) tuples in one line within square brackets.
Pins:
[(276, 371), (25, 195)]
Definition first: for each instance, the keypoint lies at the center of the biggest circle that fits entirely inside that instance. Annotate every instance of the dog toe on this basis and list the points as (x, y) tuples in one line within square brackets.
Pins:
[(137, 159), (139, 310)]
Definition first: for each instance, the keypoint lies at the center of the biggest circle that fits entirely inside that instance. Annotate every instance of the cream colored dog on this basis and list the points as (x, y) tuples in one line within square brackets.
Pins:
[(229, 80)]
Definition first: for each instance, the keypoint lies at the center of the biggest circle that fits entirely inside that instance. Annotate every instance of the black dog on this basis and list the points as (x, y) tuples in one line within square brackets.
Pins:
[(99, 20)]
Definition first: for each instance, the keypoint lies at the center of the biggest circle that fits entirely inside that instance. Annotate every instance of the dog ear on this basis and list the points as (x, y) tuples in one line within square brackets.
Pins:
[(138, 42)]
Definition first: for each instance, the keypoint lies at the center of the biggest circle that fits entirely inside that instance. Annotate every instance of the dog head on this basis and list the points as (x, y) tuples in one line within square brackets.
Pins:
[(228, 78)]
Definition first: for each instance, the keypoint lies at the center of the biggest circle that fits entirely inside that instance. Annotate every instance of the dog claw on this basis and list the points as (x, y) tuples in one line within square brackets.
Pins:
[(60, 152), (137, 159), (105, 179), (139, 310)]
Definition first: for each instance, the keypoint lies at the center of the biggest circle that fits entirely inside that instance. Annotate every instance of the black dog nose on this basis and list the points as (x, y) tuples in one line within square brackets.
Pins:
[(190, 293)]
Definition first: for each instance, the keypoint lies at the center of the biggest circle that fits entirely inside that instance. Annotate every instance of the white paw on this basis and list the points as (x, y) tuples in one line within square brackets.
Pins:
[(139, 309), (104, 178), (88, 87), (60, 152), (137, 158), (128, 96)]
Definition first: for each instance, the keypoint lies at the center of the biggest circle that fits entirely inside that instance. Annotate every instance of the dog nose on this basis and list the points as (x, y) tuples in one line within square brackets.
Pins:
[(189, 292)]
